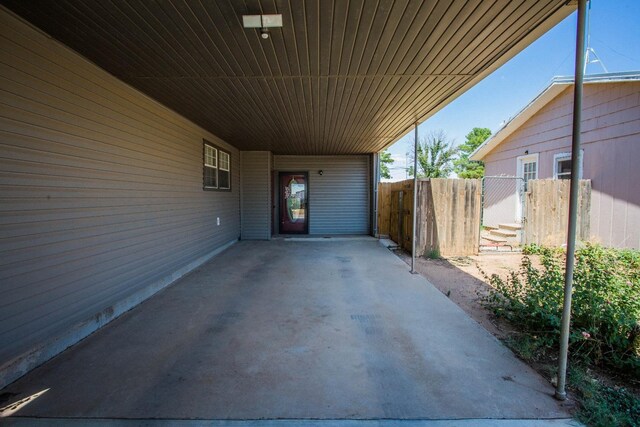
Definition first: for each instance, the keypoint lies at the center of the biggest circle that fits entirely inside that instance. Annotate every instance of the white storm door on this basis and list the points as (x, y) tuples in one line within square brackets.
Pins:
[(527, 169)]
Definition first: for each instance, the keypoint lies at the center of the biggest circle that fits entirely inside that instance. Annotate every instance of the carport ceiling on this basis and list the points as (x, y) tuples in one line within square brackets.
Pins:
[(341, 76)]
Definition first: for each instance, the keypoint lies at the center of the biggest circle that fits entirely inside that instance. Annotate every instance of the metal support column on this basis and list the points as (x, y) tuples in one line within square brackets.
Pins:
[(415, 201), (375, 182), (576, 173)]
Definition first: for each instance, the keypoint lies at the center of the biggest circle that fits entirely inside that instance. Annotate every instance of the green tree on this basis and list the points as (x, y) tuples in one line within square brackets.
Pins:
[(385, 161), (464, 167), (435, 156)]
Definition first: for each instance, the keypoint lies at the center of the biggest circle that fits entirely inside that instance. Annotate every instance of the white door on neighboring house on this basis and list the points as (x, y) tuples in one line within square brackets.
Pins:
[(527, 169)]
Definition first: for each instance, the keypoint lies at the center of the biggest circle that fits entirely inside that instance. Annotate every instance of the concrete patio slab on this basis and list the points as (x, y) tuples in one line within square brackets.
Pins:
[(93, 422), (316, 330)]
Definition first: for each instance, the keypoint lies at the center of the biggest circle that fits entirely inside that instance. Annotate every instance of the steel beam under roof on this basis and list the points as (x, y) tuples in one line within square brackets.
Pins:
[(339, 77)]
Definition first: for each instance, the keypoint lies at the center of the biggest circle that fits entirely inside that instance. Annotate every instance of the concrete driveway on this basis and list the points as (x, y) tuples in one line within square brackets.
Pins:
[(335, 329)]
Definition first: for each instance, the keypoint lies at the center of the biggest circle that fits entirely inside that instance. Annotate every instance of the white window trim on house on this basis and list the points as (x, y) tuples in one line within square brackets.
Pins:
[(211, 162), (218, 162), (225, 166), (565, 156)]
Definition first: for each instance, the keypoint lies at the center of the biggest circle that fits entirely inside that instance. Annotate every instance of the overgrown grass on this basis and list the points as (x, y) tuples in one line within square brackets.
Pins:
[(605, 322), (602, 405)]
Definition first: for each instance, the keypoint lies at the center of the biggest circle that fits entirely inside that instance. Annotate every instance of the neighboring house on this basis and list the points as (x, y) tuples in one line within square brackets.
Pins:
[(536, 144), (139, 139)]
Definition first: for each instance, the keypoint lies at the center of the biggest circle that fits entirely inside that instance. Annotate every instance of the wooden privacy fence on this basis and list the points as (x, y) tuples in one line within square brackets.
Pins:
[(547, 211), (448, 221), (395, 204), (449, 217), (449, 212)]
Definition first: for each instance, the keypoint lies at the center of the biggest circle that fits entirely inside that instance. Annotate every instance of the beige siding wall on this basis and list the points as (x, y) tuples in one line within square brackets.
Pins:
[(611, 143), (100, 194)]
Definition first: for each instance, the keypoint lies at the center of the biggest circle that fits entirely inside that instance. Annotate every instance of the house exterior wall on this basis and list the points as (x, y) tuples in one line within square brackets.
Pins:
[(255, 197), (101, 197), (339, 199), (611, 144)]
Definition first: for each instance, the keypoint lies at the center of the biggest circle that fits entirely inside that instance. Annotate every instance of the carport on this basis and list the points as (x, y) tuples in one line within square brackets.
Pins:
[(140, 140), (333, 329)]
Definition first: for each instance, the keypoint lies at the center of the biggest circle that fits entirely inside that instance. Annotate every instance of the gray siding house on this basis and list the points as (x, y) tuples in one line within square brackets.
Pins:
[(140, 139), (536, 144)]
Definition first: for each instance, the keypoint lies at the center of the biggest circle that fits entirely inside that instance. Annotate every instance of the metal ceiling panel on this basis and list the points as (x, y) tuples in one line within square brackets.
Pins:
[(340, 77)]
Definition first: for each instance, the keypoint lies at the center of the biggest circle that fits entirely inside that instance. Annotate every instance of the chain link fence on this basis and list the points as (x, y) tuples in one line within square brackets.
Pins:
[(502, 200)]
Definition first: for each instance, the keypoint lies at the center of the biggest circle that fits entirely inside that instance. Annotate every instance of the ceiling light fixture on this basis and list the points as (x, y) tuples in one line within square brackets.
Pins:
[(264, 22)]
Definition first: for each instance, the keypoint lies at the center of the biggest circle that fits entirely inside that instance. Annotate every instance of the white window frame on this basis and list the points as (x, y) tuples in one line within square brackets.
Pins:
[(565, 156), (520, 161), (213, 166), (528, 158), (221, 168)]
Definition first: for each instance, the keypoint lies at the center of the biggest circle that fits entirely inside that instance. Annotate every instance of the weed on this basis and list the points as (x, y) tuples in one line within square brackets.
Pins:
[(602, 405), (605, 310), (532, 249), (433, 254), (527, 347)]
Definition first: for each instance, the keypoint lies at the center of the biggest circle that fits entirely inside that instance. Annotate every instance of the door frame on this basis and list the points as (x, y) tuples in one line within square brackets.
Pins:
[(521, 160), (306, 214)]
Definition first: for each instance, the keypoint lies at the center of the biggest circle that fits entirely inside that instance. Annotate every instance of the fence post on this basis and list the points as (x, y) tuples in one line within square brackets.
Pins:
[(481, 211), (400, 217)]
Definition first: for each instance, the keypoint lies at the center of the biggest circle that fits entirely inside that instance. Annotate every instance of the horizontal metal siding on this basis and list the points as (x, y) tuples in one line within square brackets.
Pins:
[(339, 199), (255, 195), (100, 190)]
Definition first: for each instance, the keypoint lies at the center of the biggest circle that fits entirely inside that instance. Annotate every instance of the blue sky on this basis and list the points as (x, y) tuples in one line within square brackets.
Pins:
[(615, 37)]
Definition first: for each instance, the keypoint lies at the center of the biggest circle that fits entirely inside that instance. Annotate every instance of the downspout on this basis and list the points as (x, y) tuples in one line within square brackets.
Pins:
[(576, 173), (415, 201)]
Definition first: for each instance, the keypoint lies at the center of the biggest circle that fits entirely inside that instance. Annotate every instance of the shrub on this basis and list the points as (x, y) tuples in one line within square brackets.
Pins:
[(605, 327), (433, 254), (533, 249)]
